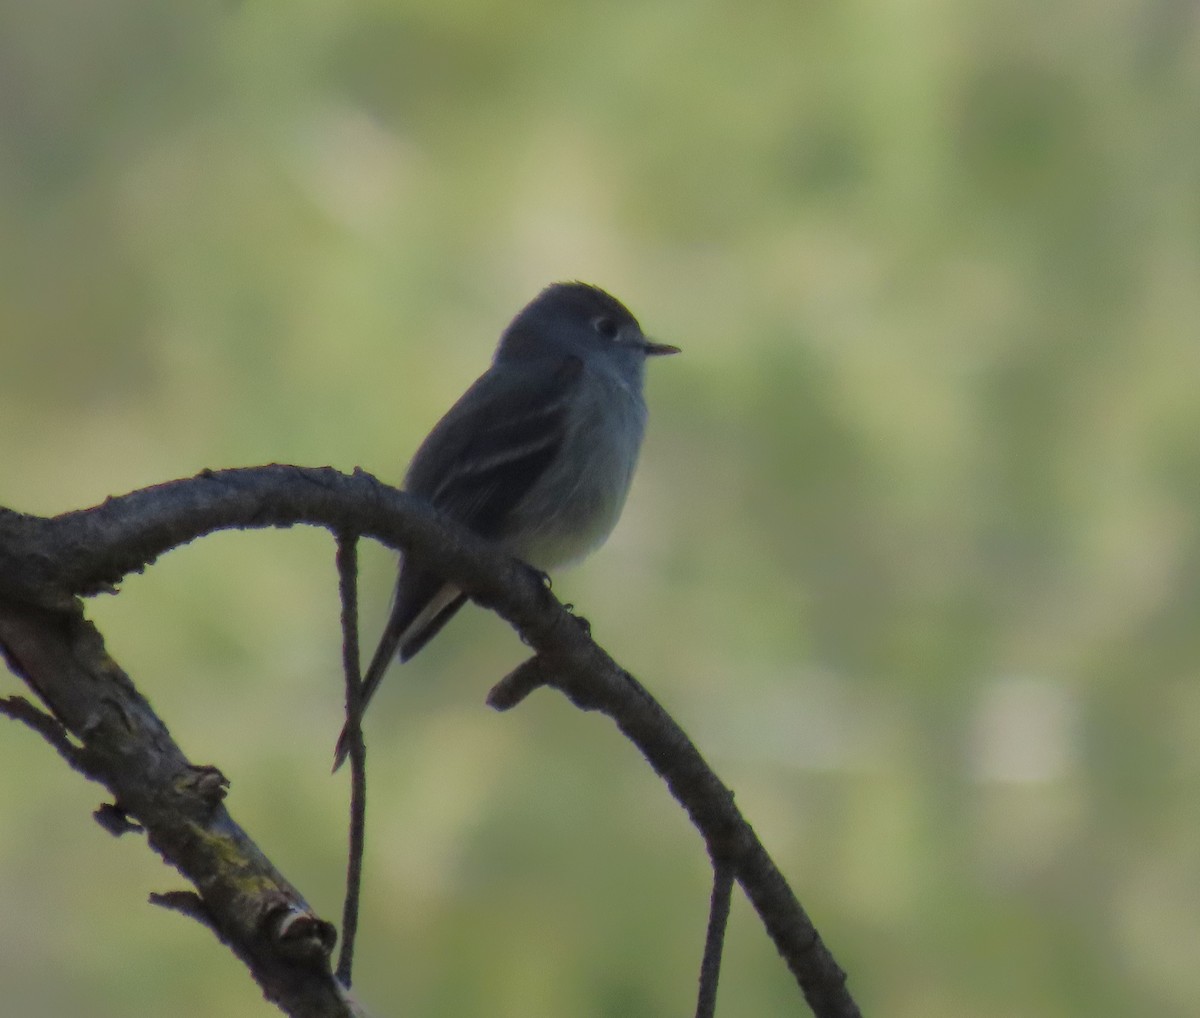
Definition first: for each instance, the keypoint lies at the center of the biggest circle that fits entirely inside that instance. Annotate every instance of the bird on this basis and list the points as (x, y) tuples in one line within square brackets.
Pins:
[(537, 455)]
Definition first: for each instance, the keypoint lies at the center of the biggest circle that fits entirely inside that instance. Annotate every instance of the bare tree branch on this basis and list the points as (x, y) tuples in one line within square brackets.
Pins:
[(124, 745), (591, 680), (46, 562)]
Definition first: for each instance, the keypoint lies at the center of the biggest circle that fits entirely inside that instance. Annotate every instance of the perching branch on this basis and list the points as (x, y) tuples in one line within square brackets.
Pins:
[(591, 680), (46, 563)]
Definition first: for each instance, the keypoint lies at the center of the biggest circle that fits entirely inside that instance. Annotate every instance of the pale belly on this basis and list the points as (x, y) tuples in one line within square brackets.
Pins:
[(582, 496)]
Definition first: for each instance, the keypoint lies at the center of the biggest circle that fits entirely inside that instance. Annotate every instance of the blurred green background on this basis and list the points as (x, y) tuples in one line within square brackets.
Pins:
[(913, 552)]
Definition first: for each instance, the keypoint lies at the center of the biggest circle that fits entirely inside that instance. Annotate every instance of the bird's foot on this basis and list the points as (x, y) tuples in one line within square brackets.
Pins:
[(580, 621), (539, 575)]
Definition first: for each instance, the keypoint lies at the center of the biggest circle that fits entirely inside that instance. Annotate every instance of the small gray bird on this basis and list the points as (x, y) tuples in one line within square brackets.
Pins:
[(537, 455)]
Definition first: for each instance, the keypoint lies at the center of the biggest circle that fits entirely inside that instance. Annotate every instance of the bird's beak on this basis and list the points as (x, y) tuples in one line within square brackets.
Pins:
[(652, 349)]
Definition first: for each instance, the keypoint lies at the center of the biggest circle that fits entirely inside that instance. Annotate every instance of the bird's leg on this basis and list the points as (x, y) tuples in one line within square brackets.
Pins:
[(539, 576), (543, 578), (580, 621)]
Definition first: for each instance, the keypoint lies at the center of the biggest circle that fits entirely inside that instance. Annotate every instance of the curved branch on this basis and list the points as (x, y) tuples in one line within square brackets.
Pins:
[(47, 562), (50, 561)]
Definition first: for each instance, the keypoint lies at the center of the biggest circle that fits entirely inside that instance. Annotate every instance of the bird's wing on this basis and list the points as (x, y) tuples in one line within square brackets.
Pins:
[(492, 446), (477, 465)]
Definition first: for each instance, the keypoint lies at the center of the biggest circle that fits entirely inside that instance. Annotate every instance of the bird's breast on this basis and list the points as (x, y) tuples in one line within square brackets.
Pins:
[(575, 505)]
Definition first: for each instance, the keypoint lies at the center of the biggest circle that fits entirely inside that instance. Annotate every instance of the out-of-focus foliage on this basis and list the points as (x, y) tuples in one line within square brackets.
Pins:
[(913, 551)]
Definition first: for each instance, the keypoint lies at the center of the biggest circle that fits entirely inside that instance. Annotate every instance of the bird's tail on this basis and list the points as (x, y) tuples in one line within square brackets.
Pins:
[(379, 664), (407, 632)]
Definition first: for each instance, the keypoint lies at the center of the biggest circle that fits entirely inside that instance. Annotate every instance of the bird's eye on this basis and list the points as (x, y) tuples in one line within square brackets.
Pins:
[(606, 327)]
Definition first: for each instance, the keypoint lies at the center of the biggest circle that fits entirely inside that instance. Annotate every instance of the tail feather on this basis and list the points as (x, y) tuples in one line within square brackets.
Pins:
[(422, 632), (406, 635), (379, 664)]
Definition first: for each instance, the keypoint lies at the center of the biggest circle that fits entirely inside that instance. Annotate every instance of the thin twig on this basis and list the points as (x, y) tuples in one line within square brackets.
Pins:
[(714, 939), (187, 903), (347, 563), (517, 684), (49, 728)]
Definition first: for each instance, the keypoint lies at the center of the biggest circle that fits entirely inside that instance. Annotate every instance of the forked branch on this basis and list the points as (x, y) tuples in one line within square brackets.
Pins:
[(46, 563)]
